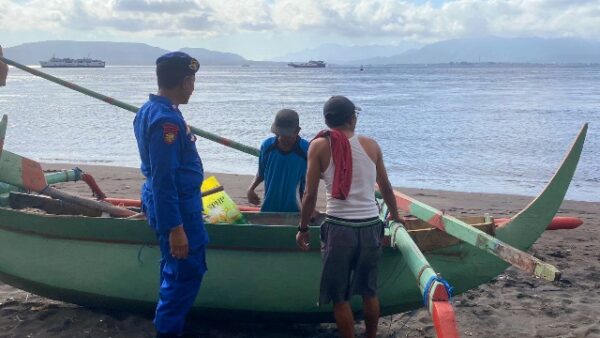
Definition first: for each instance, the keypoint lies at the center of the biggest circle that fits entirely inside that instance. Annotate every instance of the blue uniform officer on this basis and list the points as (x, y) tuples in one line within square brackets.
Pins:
[(171, 193)]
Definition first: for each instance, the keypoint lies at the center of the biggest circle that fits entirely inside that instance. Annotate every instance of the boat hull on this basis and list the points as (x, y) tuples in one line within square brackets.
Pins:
[(254, 271), (299, 66), (72, 66)]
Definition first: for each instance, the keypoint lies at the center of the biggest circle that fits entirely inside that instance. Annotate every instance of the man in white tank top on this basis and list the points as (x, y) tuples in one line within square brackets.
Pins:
[(352, 233)]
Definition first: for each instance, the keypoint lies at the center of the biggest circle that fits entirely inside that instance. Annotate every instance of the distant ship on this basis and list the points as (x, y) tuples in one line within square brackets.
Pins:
[(309, 64), (72, 63)]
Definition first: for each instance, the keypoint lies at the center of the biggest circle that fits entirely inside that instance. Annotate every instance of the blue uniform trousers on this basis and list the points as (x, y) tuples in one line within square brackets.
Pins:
[(180, 281)]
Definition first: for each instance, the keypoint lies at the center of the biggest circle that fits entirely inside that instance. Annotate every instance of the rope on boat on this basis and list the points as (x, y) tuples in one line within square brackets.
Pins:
[(139, 255), (429, 284)]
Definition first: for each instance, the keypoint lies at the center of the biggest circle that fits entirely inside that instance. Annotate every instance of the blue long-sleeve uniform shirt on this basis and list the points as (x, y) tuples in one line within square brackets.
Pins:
[(172, 167)]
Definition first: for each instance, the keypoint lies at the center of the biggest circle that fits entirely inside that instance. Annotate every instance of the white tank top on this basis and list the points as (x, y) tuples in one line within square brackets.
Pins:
[(360, 202)]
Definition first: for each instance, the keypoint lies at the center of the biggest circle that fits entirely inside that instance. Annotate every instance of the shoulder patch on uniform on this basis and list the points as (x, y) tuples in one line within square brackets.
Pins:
[(170, 131)]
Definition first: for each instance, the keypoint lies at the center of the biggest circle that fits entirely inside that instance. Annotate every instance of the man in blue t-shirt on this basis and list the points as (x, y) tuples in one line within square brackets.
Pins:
[(282, 166)]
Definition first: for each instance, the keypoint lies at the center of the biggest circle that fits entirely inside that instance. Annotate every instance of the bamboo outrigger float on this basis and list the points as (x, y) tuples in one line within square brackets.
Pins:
[(111, 262)]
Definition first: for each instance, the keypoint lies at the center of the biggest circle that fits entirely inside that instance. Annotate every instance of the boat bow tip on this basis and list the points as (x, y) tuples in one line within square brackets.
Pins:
[(526, 227)]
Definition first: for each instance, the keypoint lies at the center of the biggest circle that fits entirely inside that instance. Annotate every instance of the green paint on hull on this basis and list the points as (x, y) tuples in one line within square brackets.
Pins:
[(253, 269)]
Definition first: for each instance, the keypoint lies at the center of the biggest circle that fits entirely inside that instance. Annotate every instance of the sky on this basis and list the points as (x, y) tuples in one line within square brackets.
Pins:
[(263, 29)]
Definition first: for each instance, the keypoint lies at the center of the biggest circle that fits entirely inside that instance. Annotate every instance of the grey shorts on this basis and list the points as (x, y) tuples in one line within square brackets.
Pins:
[(350, 259)]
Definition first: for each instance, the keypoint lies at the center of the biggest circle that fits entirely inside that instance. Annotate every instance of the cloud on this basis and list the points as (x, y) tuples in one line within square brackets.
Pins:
[(200, 22), (396, 19), (166, 6), (250, 15)]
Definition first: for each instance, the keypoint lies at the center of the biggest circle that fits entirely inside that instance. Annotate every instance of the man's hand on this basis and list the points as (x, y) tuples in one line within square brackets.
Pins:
[(253, 197), (138, 216), (395, 218), (303, 240), (178, 243)]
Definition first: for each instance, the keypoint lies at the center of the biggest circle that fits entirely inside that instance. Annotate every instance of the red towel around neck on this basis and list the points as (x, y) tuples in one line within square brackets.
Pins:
[(341, 153)]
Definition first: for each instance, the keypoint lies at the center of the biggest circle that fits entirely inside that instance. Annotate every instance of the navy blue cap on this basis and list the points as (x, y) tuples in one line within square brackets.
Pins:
[(179, 62)]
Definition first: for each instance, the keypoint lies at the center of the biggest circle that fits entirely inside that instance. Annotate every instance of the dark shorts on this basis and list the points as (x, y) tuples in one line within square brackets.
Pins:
[(350, 259)]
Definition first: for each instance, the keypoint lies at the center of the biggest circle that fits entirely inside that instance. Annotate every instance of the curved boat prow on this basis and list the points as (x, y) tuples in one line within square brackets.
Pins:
[(528, 225)]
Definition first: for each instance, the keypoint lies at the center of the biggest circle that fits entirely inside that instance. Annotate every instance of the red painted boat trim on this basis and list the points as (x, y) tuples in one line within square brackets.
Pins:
[(444, 320), (438, 222), (402, 202), (32, 175), (124, 202), (440, 293), (558, 222)]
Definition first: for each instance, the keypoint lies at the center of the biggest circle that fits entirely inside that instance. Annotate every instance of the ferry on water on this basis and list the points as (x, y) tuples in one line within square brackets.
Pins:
[(309, 64), (55, 62)]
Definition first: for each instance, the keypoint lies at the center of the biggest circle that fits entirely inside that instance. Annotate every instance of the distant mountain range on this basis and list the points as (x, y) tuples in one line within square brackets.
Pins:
[(335, 53), (493, 49), (114, 53), (489, 49)]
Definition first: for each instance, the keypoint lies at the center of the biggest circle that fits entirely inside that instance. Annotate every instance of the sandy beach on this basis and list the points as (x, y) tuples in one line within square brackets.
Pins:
[(513, 304)]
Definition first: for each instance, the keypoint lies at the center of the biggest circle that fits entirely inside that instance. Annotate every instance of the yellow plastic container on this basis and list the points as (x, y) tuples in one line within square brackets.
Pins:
[(219, 207)]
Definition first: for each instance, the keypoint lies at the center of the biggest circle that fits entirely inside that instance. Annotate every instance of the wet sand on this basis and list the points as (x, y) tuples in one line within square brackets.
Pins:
[(511, 305)]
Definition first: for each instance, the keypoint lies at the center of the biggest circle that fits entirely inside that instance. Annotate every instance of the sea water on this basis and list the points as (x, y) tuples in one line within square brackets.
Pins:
[(478, 127)]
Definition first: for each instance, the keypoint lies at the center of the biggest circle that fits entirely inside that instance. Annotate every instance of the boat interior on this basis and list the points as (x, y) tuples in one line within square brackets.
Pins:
[(424, 234)]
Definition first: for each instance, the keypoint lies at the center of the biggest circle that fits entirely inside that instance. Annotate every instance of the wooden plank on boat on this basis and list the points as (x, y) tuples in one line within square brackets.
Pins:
[(428, 239), (18, 200)]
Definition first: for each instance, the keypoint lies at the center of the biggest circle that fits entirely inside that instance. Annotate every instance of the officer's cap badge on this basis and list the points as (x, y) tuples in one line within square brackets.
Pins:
[(194, 64)]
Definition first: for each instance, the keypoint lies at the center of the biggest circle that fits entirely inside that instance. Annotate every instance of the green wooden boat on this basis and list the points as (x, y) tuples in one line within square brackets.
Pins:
[(256, 271)]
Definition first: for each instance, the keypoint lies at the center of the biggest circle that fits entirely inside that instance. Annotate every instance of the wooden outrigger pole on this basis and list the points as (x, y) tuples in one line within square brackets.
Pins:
[(471, 235), (202, 133), (435, 290)]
